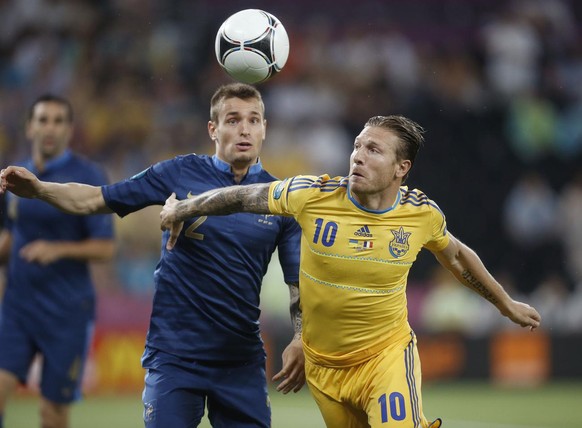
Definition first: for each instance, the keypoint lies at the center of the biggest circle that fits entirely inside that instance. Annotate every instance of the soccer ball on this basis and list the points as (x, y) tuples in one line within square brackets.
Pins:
[(252, 46)]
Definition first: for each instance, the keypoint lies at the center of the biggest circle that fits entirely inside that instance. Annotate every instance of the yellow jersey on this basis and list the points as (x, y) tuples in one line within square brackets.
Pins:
[(354, 264)]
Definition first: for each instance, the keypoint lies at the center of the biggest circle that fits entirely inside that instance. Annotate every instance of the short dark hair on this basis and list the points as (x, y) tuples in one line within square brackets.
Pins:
[(408, 132), (233, 90), (50, 98)]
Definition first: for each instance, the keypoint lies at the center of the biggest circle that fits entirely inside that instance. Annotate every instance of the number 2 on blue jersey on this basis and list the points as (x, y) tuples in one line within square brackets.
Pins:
[(190, 231)]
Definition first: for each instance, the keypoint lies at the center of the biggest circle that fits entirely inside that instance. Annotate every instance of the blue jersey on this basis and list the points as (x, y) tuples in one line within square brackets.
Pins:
[(207, 289), (60, 289)]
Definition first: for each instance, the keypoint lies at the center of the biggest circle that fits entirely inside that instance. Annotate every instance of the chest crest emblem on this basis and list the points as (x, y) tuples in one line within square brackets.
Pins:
[(399, 246)]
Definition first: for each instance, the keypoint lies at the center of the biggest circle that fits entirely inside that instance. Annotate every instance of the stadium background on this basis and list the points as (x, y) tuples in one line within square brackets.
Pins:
[(497, 84)]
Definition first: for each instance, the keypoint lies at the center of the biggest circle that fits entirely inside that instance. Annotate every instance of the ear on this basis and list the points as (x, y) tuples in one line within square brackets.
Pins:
[(403, 168), (212, 130)]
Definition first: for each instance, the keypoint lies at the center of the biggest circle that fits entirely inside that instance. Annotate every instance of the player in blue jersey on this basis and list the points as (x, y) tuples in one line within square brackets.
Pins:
[(203, 346), (361, 235), (48, 307)]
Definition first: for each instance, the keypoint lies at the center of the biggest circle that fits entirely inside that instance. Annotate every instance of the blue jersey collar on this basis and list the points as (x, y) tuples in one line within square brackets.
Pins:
[(52, 164), (225, 167)]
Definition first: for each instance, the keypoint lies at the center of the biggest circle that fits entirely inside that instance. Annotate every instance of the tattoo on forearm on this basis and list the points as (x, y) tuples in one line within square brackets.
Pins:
[(295, 309), (253, 198), (476, 285)]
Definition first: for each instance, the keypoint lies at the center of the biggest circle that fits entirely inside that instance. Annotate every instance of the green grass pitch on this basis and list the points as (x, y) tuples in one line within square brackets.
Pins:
[(460, 405)]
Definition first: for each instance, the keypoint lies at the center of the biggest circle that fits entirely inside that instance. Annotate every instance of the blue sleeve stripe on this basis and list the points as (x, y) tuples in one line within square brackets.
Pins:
[(415, 197)]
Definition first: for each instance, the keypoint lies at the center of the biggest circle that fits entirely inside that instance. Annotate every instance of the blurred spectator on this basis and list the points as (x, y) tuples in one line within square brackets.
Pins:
[(550, 298), (513, 51), (570, 227), (532, 124), (530, 215)]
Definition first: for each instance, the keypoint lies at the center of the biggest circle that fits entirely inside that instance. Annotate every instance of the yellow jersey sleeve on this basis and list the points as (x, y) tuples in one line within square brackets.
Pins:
[(289, 196), (440, 237)]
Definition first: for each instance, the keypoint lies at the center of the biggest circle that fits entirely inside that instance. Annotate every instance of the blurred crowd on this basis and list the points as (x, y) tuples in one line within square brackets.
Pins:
[(497, 84)]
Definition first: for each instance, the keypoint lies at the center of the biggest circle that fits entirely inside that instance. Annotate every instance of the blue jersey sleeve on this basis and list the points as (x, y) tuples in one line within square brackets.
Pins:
[(288, 249), (150, 187)]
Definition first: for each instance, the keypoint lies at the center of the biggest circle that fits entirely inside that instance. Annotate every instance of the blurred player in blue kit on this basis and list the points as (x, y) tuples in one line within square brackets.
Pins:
[(203, 346), (48, 307)]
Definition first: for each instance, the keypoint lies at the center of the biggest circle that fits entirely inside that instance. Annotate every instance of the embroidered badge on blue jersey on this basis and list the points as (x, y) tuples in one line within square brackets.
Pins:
[(399, 246), (149, 411)]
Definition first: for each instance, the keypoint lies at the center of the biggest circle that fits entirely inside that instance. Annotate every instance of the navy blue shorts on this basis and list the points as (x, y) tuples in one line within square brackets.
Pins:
[(176, 393), (63, 348)]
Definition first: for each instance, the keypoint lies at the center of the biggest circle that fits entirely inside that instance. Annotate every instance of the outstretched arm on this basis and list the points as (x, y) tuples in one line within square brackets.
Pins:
[(468, 268), (72, 198), (293, 371), (253, 198)]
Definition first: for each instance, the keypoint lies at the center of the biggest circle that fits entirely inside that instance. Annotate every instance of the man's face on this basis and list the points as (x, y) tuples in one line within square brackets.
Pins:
[(374, 166), (239, 131), (49, 129)]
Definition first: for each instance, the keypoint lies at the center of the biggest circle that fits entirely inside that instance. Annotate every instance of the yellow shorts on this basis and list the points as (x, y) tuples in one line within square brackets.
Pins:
[(383, 392)]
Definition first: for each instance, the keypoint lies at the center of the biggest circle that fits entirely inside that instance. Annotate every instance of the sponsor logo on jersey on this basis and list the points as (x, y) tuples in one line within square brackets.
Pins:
[(361, 244), (364, 232), (399, 246)]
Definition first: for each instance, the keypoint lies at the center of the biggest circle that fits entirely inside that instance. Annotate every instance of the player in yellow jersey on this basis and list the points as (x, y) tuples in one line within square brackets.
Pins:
[(360, 236)]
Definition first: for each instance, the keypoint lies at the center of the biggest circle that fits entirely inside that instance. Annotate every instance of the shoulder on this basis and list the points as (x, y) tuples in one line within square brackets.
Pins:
[(417, 198), (321, 183), (177, 163)]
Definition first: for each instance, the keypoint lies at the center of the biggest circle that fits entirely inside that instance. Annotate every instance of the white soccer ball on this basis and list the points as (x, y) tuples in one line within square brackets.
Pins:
[(252, 46)]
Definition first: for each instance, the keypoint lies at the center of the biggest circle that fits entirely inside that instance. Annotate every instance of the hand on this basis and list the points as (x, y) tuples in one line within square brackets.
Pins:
[(168, 222), (293, 371), (41, 252), (523, 314), (19, 181)]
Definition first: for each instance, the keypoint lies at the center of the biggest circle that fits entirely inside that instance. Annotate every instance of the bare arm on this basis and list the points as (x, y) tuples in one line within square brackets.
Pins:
[(295, 310), (47, 252), (468, 268), (292, 372), (253, 198), (72, 198)]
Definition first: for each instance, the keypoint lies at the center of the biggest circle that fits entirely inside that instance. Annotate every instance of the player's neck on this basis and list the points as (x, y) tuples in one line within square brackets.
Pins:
[(39, 161), (240, 170), (239, 173), (380, 201)]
